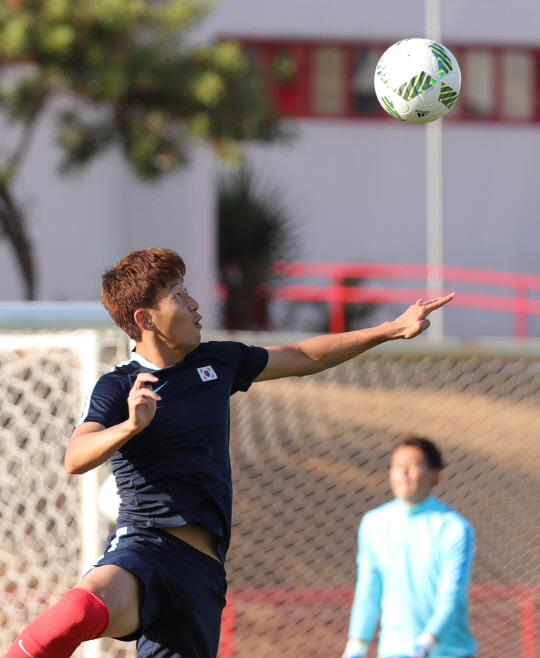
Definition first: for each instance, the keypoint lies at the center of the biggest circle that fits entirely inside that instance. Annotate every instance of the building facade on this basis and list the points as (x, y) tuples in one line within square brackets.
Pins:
[(353, 179)]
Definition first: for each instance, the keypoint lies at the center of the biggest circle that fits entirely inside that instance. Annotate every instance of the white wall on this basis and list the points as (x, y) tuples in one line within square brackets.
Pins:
[(81, 224), (355, 188), (463, 20)]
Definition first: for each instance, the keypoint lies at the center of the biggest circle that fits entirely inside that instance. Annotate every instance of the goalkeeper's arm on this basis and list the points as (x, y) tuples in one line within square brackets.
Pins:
[(367, 597)]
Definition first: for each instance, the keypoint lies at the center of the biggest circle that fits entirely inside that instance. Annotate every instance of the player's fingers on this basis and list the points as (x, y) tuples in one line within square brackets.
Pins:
[(417, 328), (439, 301), (145, 394), (143, 379)]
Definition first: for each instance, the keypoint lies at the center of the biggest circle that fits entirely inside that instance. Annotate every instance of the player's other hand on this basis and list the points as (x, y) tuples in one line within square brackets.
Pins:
[(355, 648), (414, 321), (142, 401)]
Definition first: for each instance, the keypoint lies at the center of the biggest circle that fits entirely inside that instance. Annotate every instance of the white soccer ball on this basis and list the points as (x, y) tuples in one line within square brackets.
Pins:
[(417, 80)]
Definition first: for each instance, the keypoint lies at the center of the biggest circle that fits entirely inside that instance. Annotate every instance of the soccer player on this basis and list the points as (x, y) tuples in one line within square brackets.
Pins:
[(162, 418), (415, 557)]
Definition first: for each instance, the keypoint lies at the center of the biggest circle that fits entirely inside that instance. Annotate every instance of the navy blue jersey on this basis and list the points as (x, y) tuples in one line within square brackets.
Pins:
[(177, 470)]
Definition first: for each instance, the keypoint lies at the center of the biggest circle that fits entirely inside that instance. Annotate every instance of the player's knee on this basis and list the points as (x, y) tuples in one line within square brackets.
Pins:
[(87, 613)]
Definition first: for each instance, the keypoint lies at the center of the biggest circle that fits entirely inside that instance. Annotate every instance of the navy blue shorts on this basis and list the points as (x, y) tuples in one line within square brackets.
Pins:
[(184, 592)]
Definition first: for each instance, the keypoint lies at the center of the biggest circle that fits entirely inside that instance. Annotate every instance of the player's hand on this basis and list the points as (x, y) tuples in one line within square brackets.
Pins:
[(142, 401), (414, 321), (355, 648)]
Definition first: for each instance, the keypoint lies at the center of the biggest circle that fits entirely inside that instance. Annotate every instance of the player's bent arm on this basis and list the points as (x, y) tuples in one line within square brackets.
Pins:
[(92, 444), (322, 352)]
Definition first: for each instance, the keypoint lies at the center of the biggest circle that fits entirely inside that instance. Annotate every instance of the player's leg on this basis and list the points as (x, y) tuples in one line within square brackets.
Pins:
[(190, 608), (104, 604), (121, 591)]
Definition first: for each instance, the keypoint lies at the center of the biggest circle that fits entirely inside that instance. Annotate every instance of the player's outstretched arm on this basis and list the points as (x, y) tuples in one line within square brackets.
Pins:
[(92, 444), (323, 352)]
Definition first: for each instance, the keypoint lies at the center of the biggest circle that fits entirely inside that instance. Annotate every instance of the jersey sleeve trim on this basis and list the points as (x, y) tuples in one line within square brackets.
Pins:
[(86, 407)]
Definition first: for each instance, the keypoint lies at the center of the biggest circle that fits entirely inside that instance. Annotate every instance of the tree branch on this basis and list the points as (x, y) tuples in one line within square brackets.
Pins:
[(12, 222), (27, 134)]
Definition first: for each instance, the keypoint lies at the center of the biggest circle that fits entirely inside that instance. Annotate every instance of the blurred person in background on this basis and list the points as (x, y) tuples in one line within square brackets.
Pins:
[(415, 559)]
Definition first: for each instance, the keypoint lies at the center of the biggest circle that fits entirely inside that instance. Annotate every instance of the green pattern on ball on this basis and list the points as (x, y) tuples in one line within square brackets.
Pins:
[(415, 86), (448, 96), (381, 70), (445, 63), (389, 107)]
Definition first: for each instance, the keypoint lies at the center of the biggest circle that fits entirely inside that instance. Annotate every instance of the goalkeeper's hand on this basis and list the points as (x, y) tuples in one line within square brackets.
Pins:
[(420, 652), (355, 648), (424, 645)]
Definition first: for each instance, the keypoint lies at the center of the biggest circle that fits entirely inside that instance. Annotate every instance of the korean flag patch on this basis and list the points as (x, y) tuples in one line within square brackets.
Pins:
[(207, 373)]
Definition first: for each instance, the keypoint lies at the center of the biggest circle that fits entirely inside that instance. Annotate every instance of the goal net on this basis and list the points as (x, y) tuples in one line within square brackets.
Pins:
[(310, 456)]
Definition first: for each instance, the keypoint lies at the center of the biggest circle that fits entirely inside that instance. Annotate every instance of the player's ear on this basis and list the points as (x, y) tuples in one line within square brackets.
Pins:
[(143, 319)]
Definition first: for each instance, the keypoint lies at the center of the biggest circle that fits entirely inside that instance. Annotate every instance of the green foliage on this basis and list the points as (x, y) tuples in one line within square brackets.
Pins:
[(126, 77), (130, 57)]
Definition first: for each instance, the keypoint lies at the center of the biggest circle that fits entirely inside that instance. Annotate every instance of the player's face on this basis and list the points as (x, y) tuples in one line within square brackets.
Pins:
[(411, 476), (175, 318)]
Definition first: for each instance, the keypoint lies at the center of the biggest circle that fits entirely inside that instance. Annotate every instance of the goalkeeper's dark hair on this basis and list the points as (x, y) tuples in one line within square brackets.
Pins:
[(431, 452)]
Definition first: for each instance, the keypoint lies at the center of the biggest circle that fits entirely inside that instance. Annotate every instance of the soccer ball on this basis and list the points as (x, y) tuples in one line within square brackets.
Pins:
[(417, 80)]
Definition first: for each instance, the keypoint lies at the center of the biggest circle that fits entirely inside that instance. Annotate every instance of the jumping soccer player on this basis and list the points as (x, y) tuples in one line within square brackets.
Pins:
[(162, 418), (414, 560)]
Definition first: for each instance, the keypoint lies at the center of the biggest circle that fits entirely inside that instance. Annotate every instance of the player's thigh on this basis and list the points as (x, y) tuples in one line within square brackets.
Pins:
[(121, 591)]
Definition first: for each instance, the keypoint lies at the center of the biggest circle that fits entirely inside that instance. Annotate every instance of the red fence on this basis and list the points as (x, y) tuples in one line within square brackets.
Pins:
[(495, 640), (515, 299)]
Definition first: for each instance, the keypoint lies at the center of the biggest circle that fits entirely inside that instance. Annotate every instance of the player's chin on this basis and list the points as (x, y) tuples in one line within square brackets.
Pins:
[(197, 339), (404, 493)]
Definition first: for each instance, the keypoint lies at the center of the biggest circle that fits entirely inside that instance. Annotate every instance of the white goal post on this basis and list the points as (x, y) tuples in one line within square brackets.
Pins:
[(51, 527)]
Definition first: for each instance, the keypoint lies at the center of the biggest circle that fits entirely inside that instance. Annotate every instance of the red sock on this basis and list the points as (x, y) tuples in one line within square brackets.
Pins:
[(79, 616)]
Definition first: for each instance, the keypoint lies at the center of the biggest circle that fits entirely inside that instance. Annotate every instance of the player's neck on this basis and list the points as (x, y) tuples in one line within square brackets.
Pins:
[(413, 502), (159, 354)]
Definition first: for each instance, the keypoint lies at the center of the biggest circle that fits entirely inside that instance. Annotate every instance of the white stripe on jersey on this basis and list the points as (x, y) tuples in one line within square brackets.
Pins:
[(86, 407), (133, 357)]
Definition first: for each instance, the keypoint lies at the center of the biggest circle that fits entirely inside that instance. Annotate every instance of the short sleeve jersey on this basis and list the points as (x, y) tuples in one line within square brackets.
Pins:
[(178, 470)]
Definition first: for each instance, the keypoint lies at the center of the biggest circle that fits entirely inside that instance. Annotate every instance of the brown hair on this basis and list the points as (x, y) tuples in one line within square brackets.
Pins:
[(134, 282), (431, 452)]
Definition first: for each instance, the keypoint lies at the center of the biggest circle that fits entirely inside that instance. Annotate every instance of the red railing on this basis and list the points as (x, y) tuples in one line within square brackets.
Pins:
[(514, 299), (481, 595)]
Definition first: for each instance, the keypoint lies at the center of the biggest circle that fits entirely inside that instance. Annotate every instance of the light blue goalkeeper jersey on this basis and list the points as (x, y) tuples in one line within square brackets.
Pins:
[(414, 569)]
